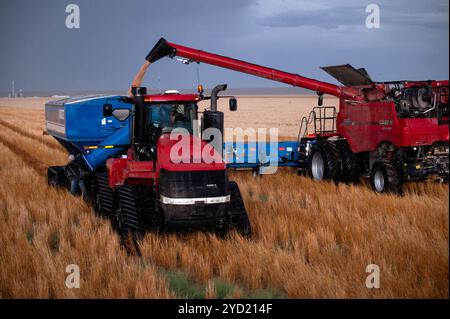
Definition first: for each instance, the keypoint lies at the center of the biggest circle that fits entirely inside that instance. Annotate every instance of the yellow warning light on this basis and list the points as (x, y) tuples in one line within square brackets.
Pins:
[(200, 89)]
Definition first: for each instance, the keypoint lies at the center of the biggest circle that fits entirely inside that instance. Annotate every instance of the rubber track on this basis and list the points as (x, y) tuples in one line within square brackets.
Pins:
[(24, 133), (135, 208), (239, 217), (106, 194)]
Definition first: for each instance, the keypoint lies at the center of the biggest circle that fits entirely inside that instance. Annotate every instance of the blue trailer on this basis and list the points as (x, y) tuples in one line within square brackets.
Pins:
[(261, 156)]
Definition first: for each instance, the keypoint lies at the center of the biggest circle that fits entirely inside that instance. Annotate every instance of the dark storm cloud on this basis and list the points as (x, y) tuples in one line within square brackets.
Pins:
[(403, 13), (330, 18), (40, 53)]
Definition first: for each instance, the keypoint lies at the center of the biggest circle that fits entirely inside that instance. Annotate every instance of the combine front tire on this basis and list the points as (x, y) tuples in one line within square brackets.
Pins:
[(237, 212), (323, 161), (350, 167), (385, 178)]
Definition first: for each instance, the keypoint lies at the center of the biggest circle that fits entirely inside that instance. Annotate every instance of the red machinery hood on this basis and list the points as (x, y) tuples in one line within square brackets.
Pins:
[(187, 153)]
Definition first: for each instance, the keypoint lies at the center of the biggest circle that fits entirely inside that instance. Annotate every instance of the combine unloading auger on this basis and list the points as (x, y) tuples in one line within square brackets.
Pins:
[(164, 48)]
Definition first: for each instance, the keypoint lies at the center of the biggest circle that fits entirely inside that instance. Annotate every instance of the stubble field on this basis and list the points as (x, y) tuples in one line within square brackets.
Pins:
[(310, 239)]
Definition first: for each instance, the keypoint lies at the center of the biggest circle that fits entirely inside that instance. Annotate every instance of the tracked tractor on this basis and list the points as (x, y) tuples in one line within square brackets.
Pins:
[(391, 132), (126, 160)]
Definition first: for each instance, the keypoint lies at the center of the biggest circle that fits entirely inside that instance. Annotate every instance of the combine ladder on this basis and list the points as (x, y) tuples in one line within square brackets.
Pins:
[(323, 121)]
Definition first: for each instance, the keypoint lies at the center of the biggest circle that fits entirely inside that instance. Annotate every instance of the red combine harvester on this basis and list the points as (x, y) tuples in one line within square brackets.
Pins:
[(391, 132)]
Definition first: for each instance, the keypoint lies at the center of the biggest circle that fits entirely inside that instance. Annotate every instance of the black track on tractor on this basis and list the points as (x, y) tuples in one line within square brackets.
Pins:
[(102, 196), (133, 209), (237, 211), (136, 210)]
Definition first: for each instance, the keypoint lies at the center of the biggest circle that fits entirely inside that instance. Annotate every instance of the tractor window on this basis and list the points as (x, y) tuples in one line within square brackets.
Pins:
[(168, 116)]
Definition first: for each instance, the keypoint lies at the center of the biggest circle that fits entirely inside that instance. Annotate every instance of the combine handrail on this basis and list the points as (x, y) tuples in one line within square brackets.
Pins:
[(312, 118), (306, 121)]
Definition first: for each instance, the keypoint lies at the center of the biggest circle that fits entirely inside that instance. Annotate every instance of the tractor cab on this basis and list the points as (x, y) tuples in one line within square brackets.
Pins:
[(163, 113), (169, 111)]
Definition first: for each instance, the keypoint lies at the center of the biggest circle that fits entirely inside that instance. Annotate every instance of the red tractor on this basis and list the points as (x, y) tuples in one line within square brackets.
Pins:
[(391, 132), (144, 189), (123, 160)]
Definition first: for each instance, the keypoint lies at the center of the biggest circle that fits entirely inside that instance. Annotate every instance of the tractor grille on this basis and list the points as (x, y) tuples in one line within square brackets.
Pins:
[(193, 183)]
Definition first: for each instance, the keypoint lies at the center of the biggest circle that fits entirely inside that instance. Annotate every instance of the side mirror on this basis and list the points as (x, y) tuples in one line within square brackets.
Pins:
[(107, 110), (233, 104), (320, 101)]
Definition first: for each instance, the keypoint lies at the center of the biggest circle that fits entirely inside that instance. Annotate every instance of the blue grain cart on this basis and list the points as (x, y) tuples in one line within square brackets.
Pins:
[(261, 157), (80, 125)]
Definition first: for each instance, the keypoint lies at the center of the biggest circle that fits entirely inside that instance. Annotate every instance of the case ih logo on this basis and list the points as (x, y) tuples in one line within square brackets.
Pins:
[(347, 122), (385, 122), (380, 122)]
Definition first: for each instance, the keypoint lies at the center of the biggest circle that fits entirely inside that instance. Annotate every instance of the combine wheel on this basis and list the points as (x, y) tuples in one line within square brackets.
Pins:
[(385, 178), (324, 161), (350, 167), (237, 212)]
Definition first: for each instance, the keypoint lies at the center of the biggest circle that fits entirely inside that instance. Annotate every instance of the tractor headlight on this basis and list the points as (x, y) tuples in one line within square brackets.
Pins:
[(193, 201)]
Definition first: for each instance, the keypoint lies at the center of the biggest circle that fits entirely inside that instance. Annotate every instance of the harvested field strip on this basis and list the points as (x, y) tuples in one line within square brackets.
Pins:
[(31, 161), (25, 133), (34, 126), (39, 241), (29, 145)]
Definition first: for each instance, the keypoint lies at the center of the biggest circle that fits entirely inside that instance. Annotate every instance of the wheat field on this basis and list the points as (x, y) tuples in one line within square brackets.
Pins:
[(310, 239)]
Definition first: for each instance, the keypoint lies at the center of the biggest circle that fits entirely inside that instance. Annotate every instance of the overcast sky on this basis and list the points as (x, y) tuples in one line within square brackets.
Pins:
[(41, 54)]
